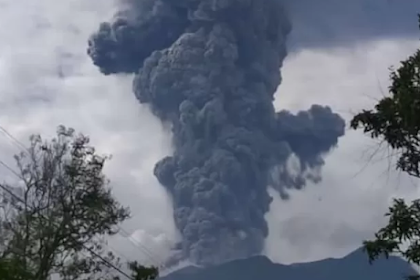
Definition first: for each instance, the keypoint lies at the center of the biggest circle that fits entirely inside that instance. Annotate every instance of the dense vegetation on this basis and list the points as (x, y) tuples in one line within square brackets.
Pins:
[(396, 120), (56, 218)]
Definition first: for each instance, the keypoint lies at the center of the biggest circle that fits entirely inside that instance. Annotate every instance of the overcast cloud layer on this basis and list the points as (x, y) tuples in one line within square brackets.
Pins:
[(46, 79), (327, 24)]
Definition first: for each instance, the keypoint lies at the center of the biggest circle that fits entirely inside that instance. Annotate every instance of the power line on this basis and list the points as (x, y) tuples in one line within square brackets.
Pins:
[(138, 245), (144, 250), (84, 246), (9, 168), (115, 250), (141, 247), (15, 141)]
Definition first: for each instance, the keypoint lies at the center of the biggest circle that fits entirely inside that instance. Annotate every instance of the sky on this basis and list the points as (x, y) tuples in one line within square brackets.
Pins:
[(339, 55)]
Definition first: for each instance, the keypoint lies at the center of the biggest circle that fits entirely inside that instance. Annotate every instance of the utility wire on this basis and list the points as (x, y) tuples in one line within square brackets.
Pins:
[(15, 141), (9, 168), (21, 200), (84, 246), (142, 248), (138, 245)]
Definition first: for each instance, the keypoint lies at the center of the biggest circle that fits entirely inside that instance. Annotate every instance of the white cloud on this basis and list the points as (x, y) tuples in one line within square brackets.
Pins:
[(331, 23), (333, 217), (46, 79)]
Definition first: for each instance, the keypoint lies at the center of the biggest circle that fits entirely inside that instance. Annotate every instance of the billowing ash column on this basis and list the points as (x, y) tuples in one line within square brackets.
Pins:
[(210, 68)]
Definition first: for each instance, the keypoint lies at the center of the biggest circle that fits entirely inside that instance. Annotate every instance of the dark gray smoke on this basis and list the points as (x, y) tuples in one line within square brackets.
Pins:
[(210, 68)]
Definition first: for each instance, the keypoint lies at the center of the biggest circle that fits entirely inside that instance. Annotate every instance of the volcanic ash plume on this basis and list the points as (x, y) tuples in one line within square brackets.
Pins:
[(210, 68)]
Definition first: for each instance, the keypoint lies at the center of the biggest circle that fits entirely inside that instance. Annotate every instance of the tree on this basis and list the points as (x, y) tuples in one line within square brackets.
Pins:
[(11, 271), (55, 219), (396, 120), (140, 272)]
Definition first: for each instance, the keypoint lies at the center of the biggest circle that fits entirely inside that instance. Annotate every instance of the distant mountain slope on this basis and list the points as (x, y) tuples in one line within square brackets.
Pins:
[(354, 266)]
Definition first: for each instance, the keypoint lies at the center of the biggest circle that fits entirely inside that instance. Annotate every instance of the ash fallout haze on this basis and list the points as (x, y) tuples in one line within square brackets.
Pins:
[(209, 69)]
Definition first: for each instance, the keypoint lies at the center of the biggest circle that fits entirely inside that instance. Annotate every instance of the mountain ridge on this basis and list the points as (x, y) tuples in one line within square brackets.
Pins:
[(351, 267)]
